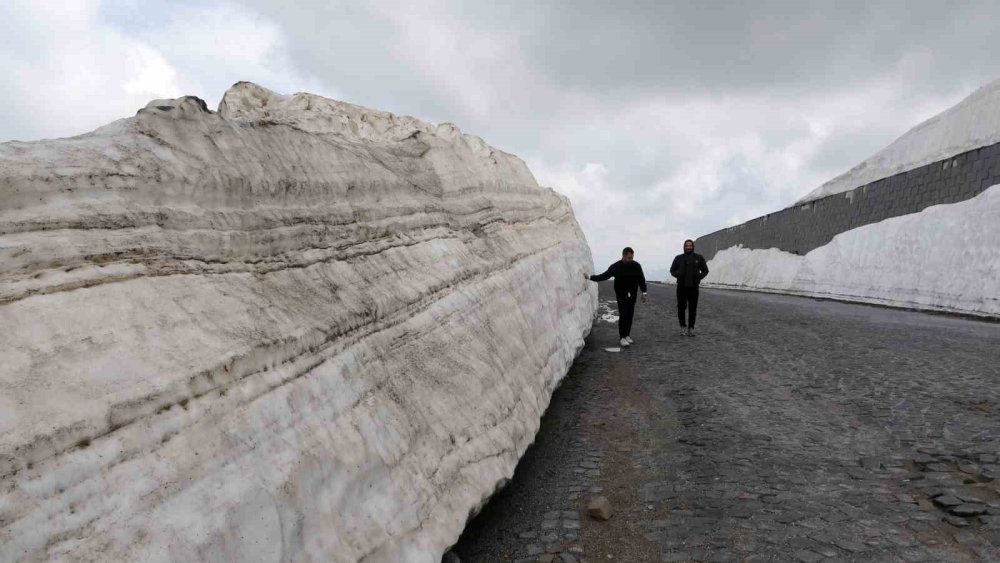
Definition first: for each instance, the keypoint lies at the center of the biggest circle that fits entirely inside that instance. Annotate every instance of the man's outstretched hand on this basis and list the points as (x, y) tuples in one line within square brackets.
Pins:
[(643, 297)]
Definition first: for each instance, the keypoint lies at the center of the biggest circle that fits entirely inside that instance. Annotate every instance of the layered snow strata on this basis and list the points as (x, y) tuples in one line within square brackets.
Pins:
[(295, 329), (972, 123), (946, 258)]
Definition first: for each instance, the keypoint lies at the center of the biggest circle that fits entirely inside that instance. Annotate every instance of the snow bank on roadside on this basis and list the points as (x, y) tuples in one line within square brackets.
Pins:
[(291, 330), (945, 258)]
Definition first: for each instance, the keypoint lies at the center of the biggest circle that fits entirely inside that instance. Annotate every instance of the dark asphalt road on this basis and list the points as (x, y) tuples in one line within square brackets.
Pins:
[(789, 429)]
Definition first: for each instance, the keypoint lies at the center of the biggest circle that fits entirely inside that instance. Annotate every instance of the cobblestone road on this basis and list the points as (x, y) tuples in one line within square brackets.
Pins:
[(789, 429)]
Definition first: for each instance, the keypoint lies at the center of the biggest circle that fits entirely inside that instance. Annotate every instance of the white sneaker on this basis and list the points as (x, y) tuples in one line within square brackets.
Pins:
[(691, 332), (625, 343), (684, 331), (629, 338)]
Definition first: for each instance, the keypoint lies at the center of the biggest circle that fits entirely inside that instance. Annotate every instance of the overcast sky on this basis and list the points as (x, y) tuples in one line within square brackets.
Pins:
[(660, 120)]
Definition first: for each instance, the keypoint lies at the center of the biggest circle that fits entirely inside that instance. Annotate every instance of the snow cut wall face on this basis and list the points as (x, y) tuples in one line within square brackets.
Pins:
[(944, 258), (972, 123), (294, 329), (951, 157), (805, 227)]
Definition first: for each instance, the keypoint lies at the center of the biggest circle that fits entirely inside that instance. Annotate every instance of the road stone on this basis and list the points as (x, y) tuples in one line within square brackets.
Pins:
[(826, 551), (968, 510), (744, 443), (956, 521), (850, 545), (807, 556), (947, 500)]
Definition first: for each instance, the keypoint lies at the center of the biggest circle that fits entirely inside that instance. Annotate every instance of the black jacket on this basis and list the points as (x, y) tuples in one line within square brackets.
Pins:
[(689, 269), (628, 275)]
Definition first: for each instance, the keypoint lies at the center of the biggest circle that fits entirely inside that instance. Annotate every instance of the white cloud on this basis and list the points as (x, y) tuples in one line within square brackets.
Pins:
[(477, 70), (611, 218), (215, 45), (151, 75), (69, 69), (68, 73)]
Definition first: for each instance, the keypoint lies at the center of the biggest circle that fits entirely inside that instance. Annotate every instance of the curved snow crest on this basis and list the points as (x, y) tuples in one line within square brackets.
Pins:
[(246, 102), (944, 258), (972, 123), (293, 329)]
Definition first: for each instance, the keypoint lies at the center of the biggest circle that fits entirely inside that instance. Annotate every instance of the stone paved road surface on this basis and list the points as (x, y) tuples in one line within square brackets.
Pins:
[(789, 429)]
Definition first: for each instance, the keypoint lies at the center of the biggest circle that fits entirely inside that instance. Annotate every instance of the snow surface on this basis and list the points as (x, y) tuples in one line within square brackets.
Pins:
[(608, 312), (295, 329), (945, 258), (974, 122)]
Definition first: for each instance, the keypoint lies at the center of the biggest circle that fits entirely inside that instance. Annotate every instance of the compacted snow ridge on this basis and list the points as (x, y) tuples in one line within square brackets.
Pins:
[(295, 329), (944, 258), (972, 123)]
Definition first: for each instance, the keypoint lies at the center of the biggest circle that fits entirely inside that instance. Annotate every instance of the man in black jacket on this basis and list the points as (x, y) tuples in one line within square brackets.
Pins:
[(628, 277), (689, 269)]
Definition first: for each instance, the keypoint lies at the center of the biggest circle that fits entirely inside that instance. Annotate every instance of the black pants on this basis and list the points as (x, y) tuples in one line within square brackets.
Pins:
[(687, 297), (626, 310)]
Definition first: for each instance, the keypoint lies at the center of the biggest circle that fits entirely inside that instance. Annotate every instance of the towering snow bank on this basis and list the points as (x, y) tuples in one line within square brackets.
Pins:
[(295, 329), (946, 258), (974, 122)]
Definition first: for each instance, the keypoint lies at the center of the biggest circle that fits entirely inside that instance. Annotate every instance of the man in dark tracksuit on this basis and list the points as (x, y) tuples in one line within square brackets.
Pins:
[(628, 278), (689, 269)]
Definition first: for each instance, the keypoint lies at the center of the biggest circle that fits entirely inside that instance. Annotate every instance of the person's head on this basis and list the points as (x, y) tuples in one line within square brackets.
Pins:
[(688, 246), (627, 254)]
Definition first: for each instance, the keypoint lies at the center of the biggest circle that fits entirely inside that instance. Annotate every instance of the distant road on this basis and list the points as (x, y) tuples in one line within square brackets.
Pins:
[(790, 429)]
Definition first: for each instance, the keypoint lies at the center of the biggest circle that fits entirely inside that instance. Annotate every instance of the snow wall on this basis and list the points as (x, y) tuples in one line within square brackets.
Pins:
[(291, 330), (945, 258), (972, 123), (804, 227)]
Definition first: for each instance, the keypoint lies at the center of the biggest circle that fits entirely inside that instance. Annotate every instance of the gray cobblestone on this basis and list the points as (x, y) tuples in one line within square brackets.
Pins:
[(790, 427)]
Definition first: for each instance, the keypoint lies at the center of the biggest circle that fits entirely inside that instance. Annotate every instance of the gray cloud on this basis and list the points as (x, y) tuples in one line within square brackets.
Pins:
[(785, 46)]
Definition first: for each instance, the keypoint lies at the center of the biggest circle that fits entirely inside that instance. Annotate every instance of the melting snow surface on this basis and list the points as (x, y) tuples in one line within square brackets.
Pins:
[(608, 311)]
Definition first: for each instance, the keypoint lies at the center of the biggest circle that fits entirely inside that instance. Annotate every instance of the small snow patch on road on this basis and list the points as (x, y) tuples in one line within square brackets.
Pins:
[(608, 311)]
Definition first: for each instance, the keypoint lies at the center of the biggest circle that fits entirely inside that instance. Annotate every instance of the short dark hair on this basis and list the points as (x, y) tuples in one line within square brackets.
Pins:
[(627, 250), (689, 240)]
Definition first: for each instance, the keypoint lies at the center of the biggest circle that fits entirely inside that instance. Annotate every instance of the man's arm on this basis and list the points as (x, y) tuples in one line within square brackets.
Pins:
[(674, 266), (704, 268), (604, 276)]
